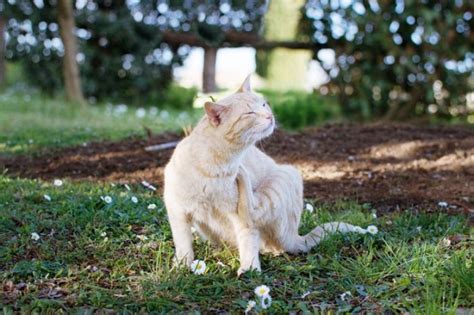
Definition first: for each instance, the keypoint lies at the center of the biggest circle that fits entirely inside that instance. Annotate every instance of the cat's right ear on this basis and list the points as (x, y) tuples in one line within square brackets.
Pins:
[(214, 113)]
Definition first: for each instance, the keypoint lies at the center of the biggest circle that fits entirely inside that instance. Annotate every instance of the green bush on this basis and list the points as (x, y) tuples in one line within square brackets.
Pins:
[(178, 97), (295, 110)]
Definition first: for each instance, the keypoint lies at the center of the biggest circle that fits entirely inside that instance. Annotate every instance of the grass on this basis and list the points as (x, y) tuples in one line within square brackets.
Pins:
[(29, 122), (94, 256)]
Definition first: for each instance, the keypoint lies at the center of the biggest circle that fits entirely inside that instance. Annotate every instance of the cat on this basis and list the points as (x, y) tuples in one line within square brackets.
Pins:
[(219, 183)]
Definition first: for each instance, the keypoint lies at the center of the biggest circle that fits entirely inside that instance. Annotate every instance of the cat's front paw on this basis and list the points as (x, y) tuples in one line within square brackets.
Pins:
[(243, 270)]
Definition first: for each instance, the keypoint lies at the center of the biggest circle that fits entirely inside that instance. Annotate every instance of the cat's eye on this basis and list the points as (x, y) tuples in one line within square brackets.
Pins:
[(250, 113)]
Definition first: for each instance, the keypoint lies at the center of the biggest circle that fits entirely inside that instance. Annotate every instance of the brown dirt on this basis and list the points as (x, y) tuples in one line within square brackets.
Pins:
[(387, 165)]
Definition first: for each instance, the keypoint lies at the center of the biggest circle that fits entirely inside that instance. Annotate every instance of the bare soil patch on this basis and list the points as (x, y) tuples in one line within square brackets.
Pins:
[(387, 165)]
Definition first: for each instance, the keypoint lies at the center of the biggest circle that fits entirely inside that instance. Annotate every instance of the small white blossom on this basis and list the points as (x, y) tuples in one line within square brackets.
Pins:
[(446, 242), (250, 305), (443, 204), (360, 230), (58, 182), (345, 295), (372, 229), (151, 206), (106, 199), (198, 267), (266, 301), (134, 199), (262, 290), (309, 207), (35, 236), (47, 197), (103, 234), (374, 215), (418, 228), (142, 237)]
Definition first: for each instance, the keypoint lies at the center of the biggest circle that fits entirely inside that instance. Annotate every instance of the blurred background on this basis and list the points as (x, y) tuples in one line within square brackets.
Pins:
[(315, 60)]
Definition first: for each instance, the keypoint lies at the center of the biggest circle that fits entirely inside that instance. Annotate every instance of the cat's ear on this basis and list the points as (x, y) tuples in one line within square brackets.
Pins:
[(245, 87), (214, 112)]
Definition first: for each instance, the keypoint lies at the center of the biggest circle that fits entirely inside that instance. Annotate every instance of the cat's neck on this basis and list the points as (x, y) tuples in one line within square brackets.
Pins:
[(218, 157)]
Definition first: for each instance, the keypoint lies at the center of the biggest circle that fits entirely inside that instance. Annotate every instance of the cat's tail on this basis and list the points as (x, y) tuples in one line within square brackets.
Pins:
[(304, 243)]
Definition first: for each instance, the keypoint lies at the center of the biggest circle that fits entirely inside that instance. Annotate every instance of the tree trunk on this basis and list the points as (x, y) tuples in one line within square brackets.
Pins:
[(3, 23), (209, 71), (283, 69), (72, 80)]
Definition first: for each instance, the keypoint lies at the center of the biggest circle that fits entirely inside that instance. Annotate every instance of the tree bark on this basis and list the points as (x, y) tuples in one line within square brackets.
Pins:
[(209, 71), (3, 23), (72, 80)]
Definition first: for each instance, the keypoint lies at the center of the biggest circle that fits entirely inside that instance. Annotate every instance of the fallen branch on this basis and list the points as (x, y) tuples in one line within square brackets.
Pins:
[(162, 146)]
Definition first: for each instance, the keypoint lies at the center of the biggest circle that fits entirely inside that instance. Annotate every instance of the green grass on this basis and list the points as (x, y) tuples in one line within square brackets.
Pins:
[(31, 122), (75, 267)]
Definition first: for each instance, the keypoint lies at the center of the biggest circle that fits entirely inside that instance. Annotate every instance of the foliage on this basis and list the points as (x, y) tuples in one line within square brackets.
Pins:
[(396, 58), (122, 56), (295, 110), (97, 257)]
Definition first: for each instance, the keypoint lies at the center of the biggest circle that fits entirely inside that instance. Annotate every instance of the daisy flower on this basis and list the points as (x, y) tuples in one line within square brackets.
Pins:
[(35, 236), (446, 242), (106, 199), (345, 295), (262, 290), (443, 204), (47, 197), (134, 199), (198, 267), (103, 234), (372, 229), (151, 206), (309, 207), (58, 182), (250, 305)]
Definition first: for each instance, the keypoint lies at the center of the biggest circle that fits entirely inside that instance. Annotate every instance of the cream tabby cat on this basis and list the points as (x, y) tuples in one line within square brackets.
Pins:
[(218, 182)]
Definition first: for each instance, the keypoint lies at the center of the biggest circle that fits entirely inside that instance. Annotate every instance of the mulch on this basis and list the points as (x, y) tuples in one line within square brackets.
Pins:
[(390, 166)]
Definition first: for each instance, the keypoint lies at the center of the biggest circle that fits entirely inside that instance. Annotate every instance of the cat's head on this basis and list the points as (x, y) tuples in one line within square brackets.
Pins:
[(242, 118)]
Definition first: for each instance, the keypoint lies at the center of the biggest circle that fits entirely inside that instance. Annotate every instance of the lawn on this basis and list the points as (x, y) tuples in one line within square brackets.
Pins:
[(93, 255), (29, 122), (66, 248)]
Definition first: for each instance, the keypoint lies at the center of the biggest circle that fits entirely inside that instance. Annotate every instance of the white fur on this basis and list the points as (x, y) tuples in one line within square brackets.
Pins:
[(218, 182)]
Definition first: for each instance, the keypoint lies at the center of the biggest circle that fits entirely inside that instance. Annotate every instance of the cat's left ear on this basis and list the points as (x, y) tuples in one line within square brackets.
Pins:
[(245, 87), (214, 112)]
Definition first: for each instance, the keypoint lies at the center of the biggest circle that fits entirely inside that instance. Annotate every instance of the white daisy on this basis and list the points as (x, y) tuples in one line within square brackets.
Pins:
[(446, 242), (372, 229), (250, 305), (134, 199), (443, 204), (262, 290), (266, 301), (151, 206), (103, 234), (47, 197), (198, 267), (345, 295), (106, 199), (35, 236), (309, 207), (58, 182)]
